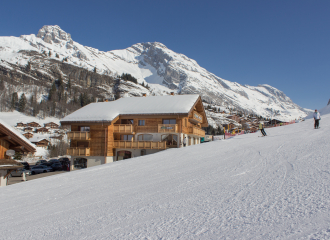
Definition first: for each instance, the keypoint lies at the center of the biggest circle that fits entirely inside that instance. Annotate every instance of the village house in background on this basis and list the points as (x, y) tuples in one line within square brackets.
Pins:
[(10, 139), (129, 127)]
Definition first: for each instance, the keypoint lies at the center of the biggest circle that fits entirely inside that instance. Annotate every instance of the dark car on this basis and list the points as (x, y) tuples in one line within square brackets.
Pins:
[(40, 169), (26, 165), (40, 162), (56, 166), (64, 160), (54, 160)]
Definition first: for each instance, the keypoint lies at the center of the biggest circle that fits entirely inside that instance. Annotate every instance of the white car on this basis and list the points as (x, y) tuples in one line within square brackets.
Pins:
[(19, 172)]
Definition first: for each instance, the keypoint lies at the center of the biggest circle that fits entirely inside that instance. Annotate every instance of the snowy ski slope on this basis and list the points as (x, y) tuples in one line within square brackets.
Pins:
[(246, 187)]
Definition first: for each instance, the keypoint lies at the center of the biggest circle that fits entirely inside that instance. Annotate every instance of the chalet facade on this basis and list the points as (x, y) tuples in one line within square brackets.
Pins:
[(28, 135), (10, 139), (51, 125), (40, 142), (129, 127), (33, 124), (42, 130)]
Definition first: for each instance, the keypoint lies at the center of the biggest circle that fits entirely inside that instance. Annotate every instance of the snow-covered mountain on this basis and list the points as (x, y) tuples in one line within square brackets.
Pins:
[(151, 63)]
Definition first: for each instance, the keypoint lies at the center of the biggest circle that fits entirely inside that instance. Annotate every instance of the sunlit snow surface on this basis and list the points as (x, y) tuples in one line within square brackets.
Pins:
[(246, 187)]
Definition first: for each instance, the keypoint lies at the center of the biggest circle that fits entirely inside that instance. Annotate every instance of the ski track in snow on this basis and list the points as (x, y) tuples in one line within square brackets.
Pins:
[(247, 187)]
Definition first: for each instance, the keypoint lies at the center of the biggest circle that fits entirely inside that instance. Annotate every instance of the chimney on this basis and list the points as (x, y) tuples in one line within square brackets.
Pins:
[(144, 94), (172, 93)]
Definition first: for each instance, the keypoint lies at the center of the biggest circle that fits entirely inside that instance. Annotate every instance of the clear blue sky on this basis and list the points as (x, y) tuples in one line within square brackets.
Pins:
[(281, 43)]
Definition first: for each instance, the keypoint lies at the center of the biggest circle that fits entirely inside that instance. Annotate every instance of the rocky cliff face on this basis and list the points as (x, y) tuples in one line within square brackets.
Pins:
[(52, 52)]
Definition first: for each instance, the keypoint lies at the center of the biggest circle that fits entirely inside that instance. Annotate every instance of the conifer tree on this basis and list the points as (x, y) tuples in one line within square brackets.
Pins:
[(22, 103), (56, 55), (52, 91), (94, 69), (28, 66), (2, 85), (14, 99), (49, 53)]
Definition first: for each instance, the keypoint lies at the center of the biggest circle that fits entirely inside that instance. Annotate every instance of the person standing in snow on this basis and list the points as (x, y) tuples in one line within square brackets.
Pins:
[(317, 118), (262, 130), (184, 141)]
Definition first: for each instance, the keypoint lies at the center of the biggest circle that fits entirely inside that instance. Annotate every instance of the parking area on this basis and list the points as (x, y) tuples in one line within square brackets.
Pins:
[(13, 180)]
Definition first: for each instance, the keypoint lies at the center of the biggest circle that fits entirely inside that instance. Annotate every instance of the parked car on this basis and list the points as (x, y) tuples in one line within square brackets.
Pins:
[(54, 160), (40, 162), (26, 165), (56, 166), (19, 172), (64, 160), (40, 169)]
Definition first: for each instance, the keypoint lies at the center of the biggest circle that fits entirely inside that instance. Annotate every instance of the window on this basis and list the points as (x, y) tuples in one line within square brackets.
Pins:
[(143, 152), (121, 155), (84, 129), (145, 137), (126, 137), (170, 139), (80, 163), (127, 121), (169, 121), (141, 122)]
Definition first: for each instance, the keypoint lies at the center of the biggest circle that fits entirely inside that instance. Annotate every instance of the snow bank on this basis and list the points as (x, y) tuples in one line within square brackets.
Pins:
[(247, 187)]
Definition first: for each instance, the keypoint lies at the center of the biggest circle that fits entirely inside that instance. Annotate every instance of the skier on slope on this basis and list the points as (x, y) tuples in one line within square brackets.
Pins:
[(317, 118), (262, 130)]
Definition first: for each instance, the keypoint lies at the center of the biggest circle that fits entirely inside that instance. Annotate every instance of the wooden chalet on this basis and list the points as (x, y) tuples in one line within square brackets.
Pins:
[(51, 125), (28, 129), (234, 117), (10, 139), (33, 124), (40, 142), (42, 130), (129, 127), (21, 124), (28, 135)]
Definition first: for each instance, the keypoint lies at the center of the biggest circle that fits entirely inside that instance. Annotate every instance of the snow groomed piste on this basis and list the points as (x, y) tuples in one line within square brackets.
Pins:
[(246, 187)]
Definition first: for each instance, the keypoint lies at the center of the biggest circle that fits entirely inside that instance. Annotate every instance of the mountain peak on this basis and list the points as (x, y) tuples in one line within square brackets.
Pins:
[(53, 33)]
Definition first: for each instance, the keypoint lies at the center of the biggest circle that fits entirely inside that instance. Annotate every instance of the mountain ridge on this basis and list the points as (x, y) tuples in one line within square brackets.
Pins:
[(153, 64)]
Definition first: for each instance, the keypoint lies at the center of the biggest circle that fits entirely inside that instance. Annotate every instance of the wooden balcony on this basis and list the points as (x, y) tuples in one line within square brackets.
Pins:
[(123, 128), (140, 144), (146, 129), (167, 128), (197, 117), (78, 151), (79, 135), (197, 131)]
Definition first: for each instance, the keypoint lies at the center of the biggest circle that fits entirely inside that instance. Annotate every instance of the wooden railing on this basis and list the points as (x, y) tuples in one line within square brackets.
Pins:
[(167, 128), (78, 151), (140, 144), (79, 135), (123, 128), (146, 129), (197, 131), (197, 117)]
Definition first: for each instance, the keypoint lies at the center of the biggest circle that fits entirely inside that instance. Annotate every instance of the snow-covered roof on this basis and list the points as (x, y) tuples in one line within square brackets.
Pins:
[(17, 134), (107, 111)]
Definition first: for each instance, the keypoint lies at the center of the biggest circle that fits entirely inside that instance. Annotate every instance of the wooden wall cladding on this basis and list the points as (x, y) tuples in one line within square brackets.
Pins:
[(4, 146)]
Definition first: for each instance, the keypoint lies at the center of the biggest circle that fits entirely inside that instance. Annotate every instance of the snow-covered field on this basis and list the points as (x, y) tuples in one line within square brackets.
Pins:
[(246, 187)]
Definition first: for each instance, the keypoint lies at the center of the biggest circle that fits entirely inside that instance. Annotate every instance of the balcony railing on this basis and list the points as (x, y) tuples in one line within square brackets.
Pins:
[(123, 128), (197, 131), (146, 129), (78, 151), (140, 144), (167, 128), (79, 135), (197, 117)]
